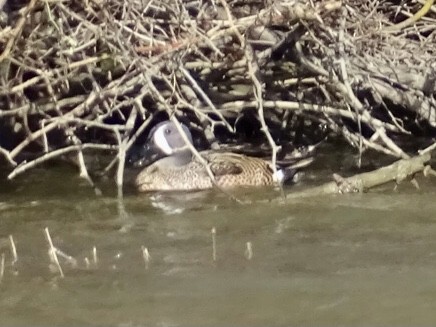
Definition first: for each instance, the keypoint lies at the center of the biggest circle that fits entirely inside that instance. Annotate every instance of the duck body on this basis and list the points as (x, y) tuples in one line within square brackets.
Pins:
[(229, 169), (176, 169)]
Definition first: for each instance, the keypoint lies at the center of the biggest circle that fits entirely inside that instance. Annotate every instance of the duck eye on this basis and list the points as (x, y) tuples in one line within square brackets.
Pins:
[(167, 131)]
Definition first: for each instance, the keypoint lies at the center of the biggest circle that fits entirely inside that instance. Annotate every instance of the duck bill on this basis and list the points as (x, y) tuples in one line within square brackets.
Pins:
[(145, 155)]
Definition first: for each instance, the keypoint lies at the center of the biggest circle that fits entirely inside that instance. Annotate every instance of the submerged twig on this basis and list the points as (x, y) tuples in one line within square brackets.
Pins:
[(94, 256), (145, 256), (2, 267), (67, 257), (249, 250), (53, 253), (87, 263), (213, 233), (13, 250)]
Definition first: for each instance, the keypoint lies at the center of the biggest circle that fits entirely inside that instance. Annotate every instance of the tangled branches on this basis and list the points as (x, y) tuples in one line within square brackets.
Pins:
[(78, 75)]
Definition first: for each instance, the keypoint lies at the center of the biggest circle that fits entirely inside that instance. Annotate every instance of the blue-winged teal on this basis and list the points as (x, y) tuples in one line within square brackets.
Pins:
[(179, 170)]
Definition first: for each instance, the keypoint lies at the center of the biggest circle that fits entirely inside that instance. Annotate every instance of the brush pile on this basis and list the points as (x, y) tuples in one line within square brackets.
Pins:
[(95, 74)]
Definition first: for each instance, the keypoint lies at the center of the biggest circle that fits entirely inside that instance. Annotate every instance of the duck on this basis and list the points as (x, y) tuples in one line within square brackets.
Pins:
[(176, 168)]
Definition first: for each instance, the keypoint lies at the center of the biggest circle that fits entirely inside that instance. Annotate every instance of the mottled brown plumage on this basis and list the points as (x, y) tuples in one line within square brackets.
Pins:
[(230, 170), (179, 170)]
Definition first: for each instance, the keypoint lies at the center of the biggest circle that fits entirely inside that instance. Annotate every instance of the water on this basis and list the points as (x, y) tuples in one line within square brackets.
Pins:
[(358, 259)]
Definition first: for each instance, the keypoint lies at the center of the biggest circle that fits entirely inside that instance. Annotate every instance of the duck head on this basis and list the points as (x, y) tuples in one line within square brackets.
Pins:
[(164, 140)]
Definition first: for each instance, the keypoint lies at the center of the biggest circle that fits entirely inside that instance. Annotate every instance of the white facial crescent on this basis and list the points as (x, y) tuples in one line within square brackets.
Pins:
[(161, 141)]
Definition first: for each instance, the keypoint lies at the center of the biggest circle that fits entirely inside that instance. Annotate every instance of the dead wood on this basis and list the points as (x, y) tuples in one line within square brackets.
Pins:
[(396, 172), (75, 74)]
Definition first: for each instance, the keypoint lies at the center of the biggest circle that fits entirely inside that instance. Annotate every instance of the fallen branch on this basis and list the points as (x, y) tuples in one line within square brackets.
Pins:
[(398, 171), (57, 153), (299, 70)]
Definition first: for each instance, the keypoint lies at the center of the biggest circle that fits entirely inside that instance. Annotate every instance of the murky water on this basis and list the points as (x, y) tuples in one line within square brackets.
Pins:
[(360, 259)]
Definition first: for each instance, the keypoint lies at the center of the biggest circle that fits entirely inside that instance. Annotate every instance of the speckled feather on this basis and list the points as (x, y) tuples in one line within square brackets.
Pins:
[(230, 170)]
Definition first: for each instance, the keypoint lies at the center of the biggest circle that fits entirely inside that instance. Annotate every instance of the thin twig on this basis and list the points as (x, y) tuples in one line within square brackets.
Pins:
[(67, 257), (213, 233), (17, 30), (56, 153), (94, 256), (53, 253), (145, 256), (13, 250), (249, 250), (2, 267)]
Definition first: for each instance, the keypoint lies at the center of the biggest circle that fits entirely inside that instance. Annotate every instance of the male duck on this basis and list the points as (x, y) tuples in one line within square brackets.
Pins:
[(179, 170)]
